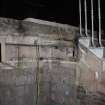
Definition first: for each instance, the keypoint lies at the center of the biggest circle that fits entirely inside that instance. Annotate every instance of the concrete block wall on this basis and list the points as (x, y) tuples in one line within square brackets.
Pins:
[(59, 80), (23, 33), (50, 80), (56, 84)]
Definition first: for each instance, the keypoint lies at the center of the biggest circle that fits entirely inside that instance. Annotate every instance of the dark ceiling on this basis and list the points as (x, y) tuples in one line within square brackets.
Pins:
[(63, 11)]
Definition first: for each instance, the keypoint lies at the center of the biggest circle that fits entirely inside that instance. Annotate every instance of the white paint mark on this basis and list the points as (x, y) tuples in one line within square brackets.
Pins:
[(97, 75)]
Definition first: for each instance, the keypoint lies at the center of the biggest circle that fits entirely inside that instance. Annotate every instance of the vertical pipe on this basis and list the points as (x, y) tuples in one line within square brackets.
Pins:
[(99, 16), (80, 17), (85, 7), (92, 19)]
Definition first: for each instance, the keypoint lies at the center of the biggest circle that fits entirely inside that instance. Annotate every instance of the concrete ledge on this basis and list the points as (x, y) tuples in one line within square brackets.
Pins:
[(33, 20), (85, 41), (29, 40)]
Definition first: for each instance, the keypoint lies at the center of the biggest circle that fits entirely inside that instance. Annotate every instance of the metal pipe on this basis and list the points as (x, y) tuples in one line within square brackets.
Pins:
[(80, 17), (99, 15), (92, 19), (85, 7)]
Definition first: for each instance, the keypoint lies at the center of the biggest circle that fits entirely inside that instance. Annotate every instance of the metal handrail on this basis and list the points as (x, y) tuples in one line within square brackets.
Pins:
[(86, 26), (99, 15), (92, 19), (80, 14)]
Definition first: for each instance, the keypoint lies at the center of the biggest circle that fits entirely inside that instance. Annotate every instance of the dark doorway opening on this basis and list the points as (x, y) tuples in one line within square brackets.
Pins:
[(0, 52)]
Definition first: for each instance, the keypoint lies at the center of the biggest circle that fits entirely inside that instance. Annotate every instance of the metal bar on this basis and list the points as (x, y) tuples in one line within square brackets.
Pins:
[(85, 6), (99, 15), (92, 19), (80, 14)]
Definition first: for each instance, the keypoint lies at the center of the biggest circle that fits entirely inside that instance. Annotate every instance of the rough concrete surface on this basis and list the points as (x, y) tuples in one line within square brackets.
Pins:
[(36, 67), (55, 84)]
